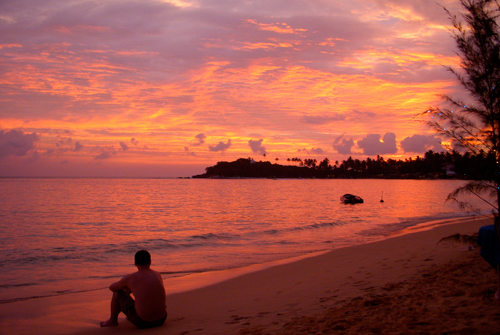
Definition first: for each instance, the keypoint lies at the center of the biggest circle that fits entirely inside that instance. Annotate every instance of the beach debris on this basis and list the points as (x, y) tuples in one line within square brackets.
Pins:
[(462, 239)]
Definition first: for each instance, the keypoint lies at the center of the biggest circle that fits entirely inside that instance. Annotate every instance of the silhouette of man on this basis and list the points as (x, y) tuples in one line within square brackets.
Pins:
[(149, 308)]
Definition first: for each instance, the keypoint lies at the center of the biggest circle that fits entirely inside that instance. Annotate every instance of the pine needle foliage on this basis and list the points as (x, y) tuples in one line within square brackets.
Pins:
[(462, 239), (473, 121)]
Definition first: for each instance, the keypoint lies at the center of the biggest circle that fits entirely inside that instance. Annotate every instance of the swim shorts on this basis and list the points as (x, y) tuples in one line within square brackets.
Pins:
[(127, 306)]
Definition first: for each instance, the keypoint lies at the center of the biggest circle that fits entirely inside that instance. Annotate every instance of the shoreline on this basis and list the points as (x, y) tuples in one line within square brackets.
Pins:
[(261, 295), (196, 280), (200, 280), (437, 223)]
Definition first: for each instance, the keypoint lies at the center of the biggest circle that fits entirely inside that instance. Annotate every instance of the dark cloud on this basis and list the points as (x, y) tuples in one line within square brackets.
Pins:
[(78, 146), (257, 147), (16, 143), (124, 146), (313, 151), (189, 153), (323, 119), (343, 145), (422, 143), (103, 155), (317, 151), (372, 145), (106, 153), (353, 115), (356, 115), (63, 140), (221, 146), (200, 138)]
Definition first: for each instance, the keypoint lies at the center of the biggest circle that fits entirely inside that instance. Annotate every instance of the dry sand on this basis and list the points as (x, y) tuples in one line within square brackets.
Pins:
[(407, 284)]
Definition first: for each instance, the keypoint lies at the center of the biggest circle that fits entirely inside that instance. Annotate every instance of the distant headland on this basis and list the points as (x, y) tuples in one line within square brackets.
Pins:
[(432, 166)]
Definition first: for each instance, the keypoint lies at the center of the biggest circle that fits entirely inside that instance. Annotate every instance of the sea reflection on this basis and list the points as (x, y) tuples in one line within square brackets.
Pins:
[(64, 230)]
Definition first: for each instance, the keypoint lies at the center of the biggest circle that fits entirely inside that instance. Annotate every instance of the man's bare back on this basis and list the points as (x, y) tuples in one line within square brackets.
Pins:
[(149, 307), (147, 287)]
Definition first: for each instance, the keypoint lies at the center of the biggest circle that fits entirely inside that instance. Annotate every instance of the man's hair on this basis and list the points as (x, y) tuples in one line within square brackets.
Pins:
[(142, 257)]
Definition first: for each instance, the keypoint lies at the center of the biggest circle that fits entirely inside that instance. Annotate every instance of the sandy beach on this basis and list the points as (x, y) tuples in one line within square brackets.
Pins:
[(410, 283)]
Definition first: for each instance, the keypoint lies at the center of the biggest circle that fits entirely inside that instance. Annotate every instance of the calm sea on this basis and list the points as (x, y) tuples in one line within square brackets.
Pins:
[(59, 236)]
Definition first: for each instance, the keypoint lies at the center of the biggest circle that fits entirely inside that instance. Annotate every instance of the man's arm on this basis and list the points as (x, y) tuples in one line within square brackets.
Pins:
[(122, 284)]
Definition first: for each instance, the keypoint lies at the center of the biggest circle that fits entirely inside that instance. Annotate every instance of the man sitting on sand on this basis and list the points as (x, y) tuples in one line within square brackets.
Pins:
[(149, 308)]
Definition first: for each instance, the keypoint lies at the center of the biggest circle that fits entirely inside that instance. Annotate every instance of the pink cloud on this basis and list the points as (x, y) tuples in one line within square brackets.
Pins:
[(221, 146), (257, 146), (372, 145), (16, 143)]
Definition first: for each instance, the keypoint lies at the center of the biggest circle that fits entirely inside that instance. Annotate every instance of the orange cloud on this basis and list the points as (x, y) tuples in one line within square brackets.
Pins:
[(171, 78), (237, 103), (277, 27)]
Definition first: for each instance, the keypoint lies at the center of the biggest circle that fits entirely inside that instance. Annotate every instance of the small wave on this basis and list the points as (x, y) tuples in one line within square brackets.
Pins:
[(405, 223), (190, 245), (209, 236), (103, 277), (311, 226), (206, 236), (389, 228), (59, 293), (95, 224), (186, 272), (102, 252), (283, 242), (325, 225), (17, 285), (99, 253)]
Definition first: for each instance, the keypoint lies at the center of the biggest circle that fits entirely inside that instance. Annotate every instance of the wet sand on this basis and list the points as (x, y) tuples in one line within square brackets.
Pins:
[(410, 283)]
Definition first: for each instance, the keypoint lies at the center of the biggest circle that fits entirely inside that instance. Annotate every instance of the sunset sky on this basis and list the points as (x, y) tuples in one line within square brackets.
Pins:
[(165, 88)]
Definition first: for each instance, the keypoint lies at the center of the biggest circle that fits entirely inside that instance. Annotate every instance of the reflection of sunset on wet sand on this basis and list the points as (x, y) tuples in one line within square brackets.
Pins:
[(149, 88)]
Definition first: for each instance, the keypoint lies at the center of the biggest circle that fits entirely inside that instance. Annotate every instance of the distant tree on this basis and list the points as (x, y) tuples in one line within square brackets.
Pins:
[(468, 166), (298, 160), (325, 164), (473, 121), (310, 162)]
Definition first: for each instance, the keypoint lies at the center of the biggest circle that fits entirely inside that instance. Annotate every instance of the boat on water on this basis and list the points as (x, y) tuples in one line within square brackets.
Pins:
[(351, 199)]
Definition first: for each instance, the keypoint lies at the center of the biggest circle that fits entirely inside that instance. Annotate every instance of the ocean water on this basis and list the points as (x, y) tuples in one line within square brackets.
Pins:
[(59, 236)]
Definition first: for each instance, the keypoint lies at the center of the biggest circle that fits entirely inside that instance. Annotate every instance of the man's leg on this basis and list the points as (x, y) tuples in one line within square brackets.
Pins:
[(115, 310)]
